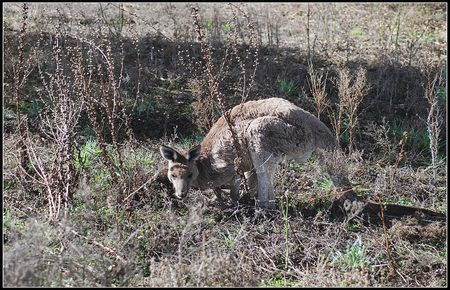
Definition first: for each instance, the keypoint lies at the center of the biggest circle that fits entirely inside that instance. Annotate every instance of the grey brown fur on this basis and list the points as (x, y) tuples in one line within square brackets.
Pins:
[(269, 131)]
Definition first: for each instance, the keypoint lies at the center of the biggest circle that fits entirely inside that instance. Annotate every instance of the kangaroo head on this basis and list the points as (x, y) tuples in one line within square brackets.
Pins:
[(183, 169)]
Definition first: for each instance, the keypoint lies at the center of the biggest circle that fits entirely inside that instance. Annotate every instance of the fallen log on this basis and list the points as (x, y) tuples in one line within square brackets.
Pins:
[(350, 206)]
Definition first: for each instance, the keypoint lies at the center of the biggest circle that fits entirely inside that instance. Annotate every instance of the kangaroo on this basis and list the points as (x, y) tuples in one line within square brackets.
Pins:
[(269, 131)]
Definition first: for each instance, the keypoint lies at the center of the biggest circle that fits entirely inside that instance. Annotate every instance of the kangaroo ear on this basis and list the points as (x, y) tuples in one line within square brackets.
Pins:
[(168, 153), (194, 153)]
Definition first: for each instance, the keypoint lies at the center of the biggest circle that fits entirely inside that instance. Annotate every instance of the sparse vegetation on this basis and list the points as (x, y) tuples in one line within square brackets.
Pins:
[(354, 257), (92, 90), (288, 87)]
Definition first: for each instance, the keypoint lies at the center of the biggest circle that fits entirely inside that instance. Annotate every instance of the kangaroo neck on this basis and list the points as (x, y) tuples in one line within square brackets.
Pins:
[(208, 177)]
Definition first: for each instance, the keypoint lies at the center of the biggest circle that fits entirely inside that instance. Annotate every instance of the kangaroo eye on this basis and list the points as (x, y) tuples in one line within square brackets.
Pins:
[(173, 175), (190, 175)]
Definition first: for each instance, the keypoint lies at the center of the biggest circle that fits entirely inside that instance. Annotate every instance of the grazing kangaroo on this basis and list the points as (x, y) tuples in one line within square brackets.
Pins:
[(268, 130)]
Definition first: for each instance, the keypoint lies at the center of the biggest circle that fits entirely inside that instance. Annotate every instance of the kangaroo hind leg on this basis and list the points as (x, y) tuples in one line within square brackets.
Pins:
[(265, 164)]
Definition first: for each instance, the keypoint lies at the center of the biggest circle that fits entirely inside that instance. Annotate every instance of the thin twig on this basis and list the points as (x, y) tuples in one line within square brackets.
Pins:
[(387, 243)]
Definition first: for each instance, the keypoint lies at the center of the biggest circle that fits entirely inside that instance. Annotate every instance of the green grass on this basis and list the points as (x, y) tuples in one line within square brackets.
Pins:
[(89, 154), (187, 142), (354, 226), (227, 26), (418, 137), (442, 94), (324, 183), (174, 85), (345, 133), (354, 257), (406, 201), (362, 191), (33, 108), (432, 36), (289, 87), (11, 222), (210, 23), (89, 159), (279, 280), (295, 165), (140, 157), (228, 239), (441, 206), (357, 31)]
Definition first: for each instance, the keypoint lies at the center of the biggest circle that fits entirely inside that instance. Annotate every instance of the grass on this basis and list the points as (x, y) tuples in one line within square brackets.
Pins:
[(288, 87), (354, 257), (418, 138), (12, 224), (295, 165), (324, 183), (280, 281), (189, 141), (357, 31), (216, 248), (88, 155), (147, 239)]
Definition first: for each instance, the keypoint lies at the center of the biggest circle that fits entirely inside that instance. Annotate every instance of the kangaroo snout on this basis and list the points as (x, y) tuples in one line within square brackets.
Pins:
[(181, 194)]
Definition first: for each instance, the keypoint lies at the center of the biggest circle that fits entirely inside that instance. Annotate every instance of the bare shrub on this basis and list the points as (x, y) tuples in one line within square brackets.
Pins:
[(317, 84), (336, 164), (81, 77), (402, 152), (209, 85), (205, 109), (382, 145), (101, 81), (49, 255), (104, 103), (434, 118), (20, 73), (352, 88), (64, 103)]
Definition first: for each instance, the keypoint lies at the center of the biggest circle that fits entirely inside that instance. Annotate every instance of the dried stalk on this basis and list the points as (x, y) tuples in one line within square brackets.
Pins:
[(216, 76), (19, 77), (317, 84), (434, 118)]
